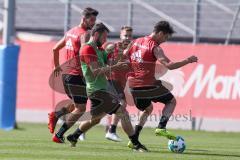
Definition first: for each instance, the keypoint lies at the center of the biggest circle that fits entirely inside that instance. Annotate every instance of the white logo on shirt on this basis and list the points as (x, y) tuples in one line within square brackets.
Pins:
[(69, 45), (137, 56), (71, 35), (140, 46)]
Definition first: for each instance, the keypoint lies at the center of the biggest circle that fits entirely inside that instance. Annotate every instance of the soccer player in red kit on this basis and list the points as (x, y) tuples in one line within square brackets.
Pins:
[(143, 54), (117, 79), (95, 69), (72, 76)]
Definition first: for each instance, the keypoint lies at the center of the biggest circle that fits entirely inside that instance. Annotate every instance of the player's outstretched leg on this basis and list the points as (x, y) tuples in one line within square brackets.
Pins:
[(128, 129), (83, 128), (166, 113)]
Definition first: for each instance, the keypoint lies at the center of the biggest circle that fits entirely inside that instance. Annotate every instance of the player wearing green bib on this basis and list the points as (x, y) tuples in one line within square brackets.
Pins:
[(94, 53), (94, 66)]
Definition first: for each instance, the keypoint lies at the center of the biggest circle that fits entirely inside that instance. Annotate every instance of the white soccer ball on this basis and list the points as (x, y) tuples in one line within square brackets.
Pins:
[(177, 146)]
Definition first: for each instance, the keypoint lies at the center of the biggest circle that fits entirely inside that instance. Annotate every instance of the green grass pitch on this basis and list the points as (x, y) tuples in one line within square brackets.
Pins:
[(33, 141)]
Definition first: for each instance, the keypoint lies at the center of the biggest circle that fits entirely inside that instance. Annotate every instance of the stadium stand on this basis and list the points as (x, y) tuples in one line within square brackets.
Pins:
[(215, 18)]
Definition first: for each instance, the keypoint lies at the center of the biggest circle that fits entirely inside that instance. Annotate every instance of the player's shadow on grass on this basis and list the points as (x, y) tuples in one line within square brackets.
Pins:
[(201, 152), (209, 153), (198, 150)]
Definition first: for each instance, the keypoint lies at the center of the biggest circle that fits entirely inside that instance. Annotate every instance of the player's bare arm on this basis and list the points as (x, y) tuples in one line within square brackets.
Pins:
[(97, 69), (163, 59), (60, 44)]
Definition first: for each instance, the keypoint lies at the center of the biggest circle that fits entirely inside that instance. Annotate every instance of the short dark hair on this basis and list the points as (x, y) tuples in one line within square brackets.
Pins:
[(163, 26), (87, 12), (127, 28), (99, 27)]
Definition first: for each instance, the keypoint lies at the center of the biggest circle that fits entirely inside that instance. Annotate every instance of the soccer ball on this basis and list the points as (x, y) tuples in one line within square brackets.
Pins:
[(177, 146)]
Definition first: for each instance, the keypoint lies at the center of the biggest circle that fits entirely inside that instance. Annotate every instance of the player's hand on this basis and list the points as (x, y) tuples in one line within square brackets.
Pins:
[(57, 71), (192, 59), (122, 65), (110, 48)]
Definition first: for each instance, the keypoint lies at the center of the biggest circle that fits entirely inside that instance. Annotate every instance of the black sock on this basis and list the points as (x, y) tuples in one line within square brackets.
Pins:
[(112, 128), (62, 130), (77, 133), (134, 139), (163, 122), (138, 129)]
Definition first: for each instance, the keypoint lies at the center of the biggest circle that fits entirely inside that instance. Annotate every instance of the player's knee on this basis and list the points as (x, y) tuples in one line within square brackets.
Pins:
[(95, 121), (70, 107), (122, 109), (121, 112), (149, 109), (80, 107), (79, 111), (173, 102)]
